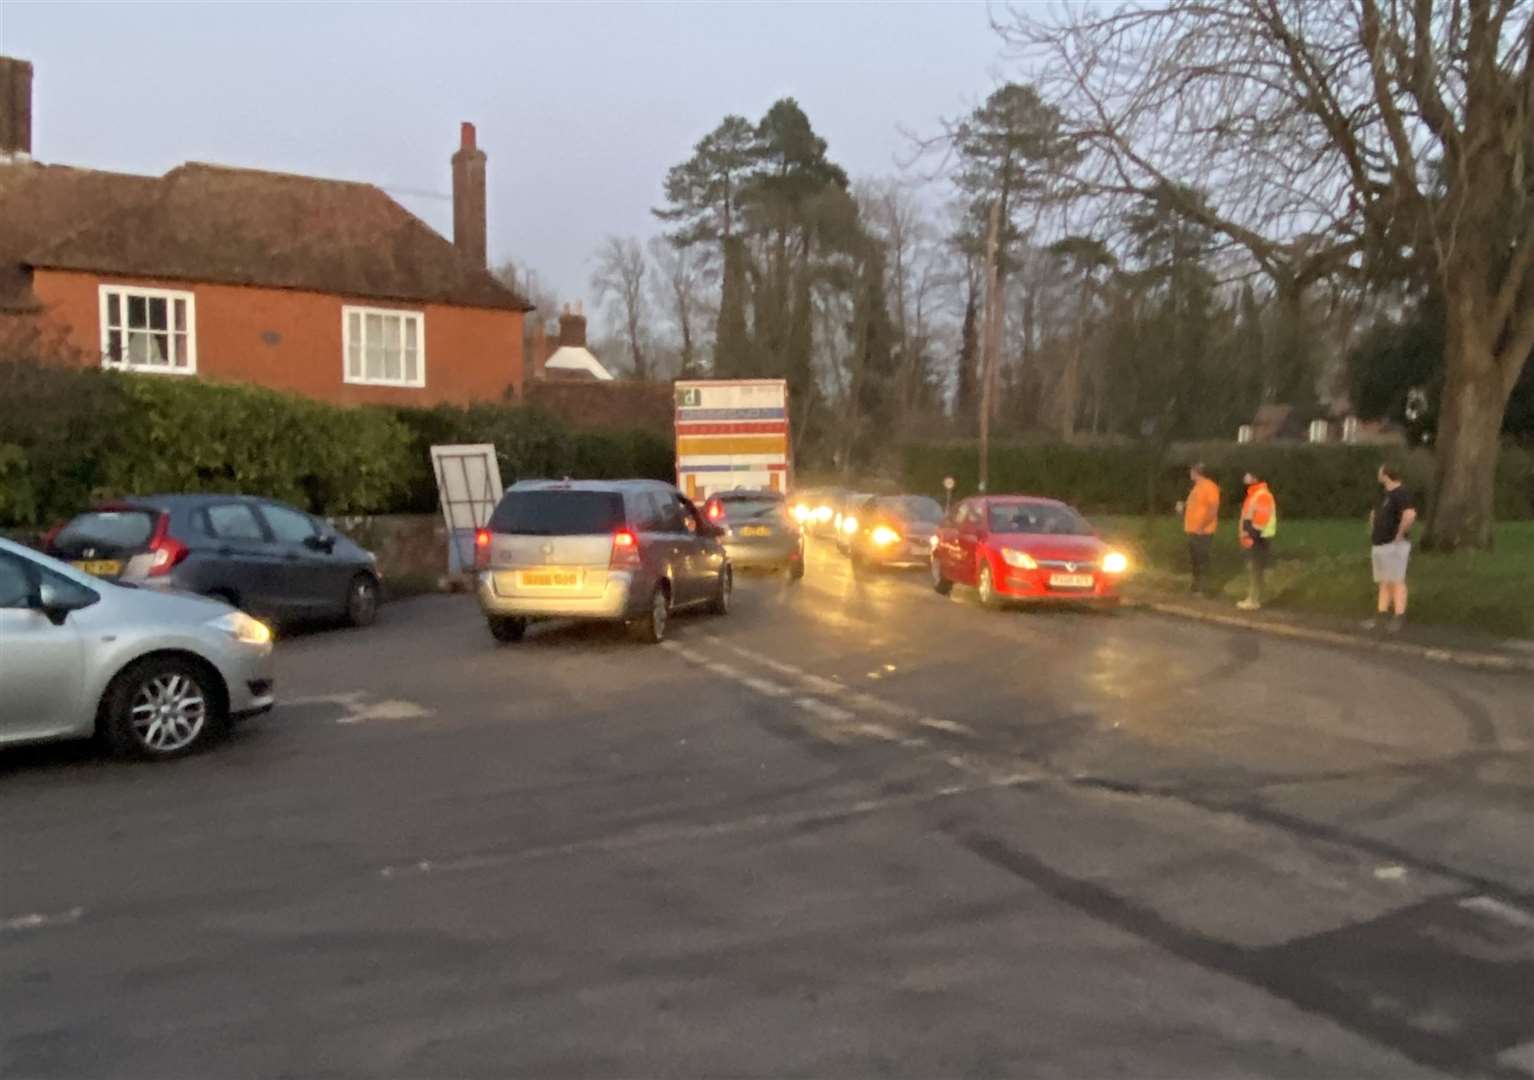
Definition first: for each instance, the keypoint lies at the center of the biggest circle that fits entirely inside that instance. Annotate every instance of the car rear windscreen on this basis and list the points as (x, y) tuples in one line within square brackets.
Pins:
[(741, 509), (118, 530), (558, 513)]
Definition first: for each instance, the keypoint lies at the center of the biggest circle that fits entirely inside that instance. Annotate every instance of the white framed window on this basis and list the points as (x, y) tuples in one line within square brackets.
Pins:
[(1319, 430), (1244, 433), (1350, 429), (383, 346), (153, 330)]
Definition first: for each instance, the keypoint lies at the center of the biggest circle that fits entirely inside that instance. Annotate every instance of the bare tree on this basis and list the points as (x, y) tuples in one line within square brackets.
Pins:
[(680, 287), (619, 281), (1376, 139)]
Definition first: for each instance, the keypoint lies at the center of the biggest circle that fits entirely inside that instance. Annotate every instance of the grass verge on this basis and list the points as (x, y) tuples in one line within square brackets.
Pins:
[(1322, 566)]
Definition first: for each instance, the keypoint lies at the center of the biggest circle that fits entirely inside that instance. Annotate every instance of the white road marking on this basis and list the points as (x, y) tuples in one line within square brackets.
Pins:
[(952, 727), (823, 710), (724, 671), (1390, 873), (1518, 1057), (37, 920), (649, 836), (1486, 905), (359, 710), (764, 686)]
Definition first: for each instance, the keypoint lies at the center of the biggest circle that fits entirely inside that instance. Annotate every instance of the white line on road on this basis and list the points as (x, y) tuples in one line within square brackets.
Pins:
[(1486, 905), (38, 921), (823, 710), (952, 727), (654, 835), (765, 686)]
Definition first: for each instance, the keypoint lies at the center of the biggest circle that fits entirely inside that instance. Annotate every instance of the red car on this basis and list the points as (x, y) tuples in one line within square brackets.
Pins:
[(1014, 547)]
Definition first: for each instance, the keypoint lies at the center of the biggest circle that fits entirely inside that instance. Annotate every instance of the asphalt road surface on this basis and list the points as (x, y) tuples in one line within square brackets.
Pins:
[(852, 829)]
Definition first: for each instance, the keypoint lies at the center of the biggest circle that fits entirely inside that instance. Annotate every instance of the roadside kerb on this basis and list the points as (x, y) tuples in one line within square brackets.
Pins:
[(1483, 661)]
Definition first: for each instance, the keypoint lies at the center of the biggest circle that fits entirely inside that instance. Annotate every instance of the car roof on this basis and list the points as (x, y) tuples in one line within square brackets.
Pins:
[(180, 500), (1022, 500), (609, 486)]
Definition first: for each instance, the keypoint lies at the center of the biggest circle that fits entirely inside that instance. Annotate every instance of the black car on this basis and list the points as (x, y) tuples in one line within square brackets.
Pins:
[(264, 557), (895, 530)]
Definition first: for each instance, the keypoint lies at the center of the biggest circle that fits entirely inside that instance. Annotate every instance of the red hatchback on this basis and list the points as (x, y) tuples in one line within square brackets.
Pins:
[(1013, 547)]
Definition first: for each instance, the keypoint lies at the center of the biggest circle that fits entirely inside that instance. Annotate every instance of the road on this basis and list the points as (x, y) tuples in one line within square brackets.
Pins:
[(853, 829)]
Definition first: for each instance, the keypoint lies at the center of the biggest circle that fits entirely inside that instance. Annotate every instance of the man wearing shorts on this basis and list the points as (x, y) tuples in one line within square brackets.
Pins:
[(1389, 524)]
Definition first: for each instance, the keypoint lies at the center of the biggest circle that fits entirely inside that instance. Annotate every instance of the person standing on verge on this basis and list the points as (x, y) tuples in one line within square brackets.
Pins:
[(1389, 524), (1200, 514), (1259, 524)]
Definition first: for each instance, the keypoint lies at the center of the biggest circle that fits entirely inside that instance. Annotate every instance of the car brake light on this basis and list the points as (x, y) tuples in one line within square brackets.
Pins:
[(481, 549), (715, 510), (166, 550), (625, 550), (51, 535)]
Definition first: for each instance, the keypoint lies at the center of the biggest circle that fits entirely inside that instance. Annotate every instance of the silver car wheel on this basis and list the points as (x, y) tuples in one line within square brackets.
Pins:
[(168, 712), (987, 587)]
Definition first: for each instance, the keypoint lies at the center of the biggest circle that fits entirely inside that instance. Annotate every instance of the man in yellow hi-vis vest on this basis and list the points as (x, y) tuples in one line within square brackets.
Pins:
[(1259, 524)]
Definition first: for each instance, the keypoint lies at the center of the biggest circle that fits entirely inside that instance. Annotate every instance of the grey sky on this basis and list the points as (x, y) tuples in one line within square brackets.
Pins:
[(580, 107)]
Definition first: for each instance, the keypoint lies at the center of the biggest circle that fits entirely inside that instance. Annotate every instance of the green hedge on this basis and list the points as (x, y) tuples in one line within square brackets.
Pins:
[(69, 437), (1309, 481)]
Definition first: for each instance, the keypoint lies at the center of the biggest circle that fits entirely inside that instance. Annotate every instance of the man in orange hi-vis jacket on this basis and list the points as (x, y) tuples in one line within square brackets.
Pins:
[(1200, 515), (1259, 524)]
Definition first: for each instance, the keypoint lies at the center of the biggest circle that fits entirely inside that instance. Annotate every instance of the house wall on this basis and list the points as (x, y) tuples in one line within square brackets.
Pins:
[(291, 340)]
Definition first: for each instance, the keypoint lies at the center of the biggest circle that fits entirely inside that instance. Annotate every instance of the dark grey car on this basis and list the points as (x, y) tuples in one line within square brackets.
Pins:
[(759, 533), (619, 550), (259, 555)]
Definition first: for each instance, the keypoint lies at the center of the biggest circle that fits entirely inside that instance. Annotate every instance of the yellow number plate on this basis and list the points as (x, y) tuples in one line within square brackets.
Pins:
[(99, 567), (549, 579), (1070, 581), (756, 530)]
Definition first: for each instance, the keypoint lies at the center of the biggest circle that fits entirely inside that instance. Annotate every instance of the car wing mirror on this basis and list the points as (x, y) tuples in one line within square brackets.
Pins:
[(56, 606), (325, 542)]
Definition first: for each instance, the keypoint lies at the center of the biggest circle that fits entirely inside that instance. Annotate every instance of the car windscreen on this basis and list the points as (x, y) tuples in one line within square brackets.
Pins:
[(911, 508), (558, 513), (114, 530), (1040, 518), (741, 509)]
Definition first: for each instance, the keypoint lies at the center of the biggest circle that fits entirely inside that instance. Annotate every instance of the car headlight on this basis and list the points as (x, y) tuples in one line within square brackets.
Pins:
[(1115, 562), (1020, 559), (885, 536), (243, 628), (932, 543), (801, 513), (822, 513), (849, 524)]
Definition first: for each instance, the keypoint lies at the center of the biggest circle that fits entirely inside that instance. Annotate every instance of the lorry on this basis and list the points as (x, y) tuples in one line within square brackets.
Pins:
[(731, 433)]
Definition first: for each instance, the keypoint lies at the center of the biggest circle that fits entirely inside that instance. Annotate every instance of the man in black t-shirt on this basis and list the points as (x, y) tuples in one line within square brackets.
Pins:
[(1389, 524)]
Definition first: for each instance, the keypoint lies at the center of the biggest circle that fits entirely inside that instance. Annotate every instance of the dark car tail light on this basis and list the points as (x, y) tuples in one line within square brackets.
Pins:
[(51, 535), (481, 549), (625, 551), (165, 549)]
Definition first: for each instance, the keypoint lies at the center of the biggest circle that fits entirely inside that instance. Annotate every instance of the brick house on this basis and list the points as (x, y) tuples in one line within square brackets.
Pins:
[(321, 287)]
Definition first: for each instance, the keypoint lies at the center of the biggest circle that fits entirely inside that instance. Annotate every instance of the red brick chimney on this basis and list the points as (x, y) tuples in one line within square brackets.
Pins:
[(15, 110), (572, 327), (469, 197)]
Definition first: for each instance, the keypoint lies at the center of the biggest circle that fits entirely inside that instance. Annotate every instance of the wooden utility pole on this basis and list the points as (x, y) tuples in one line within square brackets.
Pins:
[(990, 341)]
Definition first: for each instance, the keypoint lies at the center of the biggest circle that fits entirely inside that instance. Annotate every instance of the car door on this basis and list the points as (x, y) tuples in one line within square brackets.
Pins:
[(313, 578), (970, 538), (691, 550), (241, 563), (41, 665), (705, 552)]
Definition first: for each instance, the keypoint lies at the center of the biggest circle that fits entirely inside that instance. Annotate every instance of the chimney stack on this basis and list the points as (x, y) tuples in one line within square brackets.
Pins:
[(572, 328), (15, 110), (469, 198)]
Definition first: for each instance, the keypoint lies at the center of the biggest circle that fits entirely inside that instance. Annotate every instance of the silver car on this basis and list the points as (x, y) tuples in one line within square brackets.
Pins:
[(618, 550), (154, 674)]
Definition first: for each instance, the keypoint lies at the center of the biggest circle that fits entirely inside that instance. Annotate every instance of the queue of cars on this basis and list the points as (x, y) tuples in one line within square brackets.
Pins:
[(138, 622)]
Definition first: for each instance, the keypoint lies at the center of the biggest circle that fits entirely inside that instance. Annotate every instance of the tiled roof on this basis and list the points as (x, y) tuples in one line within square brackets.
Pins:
[(209, 223)]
